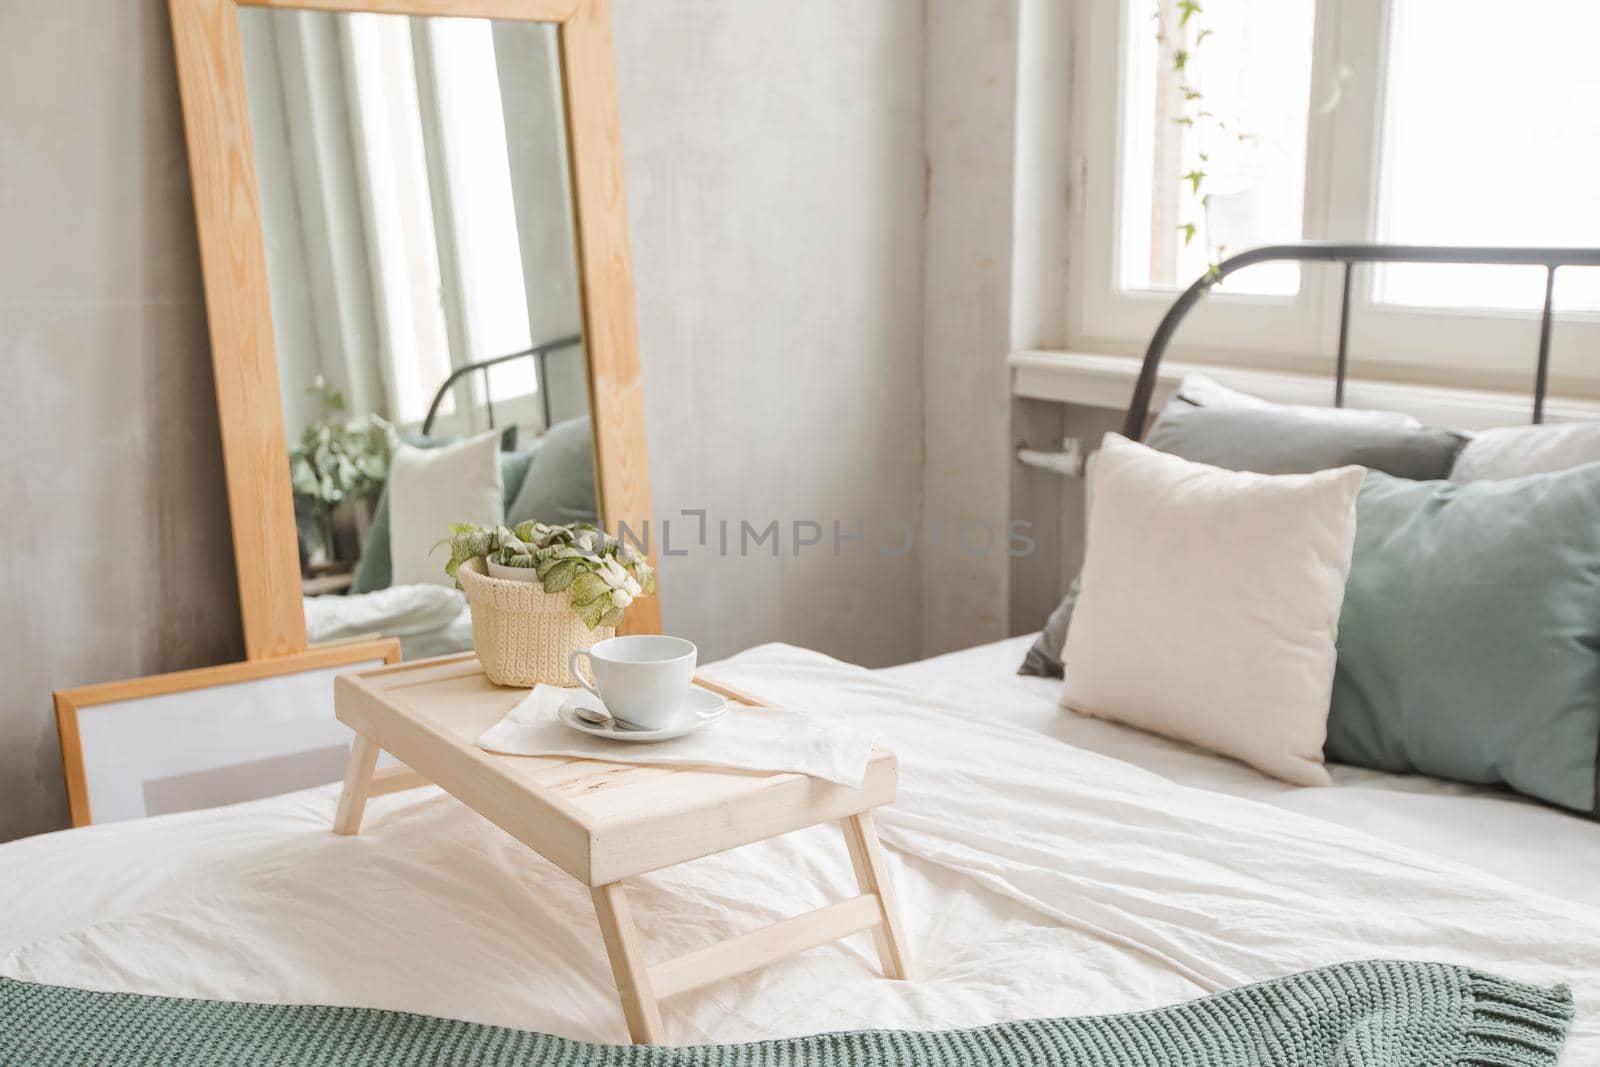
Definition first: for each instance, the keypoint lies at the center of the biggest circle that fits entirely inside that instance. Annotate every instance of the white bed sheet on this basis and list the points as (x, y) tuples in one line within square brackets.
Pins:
[(1533, 844), (429, 620), (1036, 879)]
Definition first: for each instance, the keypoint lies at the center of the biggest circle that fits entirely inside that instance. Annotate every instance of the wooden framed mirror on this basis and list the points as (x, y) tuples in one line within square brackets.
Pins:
[(413, 232)]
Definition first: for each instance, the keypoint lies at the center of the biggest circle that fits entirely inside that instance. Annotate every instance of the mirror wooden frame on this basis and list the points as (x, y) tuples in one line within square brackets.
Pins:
[(234, 269)]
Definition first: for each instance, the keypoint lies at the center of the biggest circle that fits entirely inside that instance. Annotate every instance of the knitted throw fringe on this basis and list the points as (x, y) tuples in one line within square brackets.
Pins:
[(1376, 1014)]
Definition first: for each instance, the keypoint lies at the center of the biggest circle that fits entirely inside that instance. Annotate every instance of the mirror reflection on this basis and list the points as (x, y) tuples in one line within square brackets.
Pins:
[(417, 209)]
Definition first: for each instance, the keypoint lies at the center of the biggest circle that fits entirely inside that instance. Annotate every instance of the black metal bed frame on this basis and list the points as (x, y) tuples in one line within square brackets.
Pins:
[(538, 353), (1351, 254)]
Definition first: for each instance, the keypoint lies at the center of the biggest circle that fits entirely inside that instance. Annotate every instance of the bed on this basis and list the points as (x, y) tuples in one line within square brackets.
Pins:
[(1047, 866), (1498, 832)]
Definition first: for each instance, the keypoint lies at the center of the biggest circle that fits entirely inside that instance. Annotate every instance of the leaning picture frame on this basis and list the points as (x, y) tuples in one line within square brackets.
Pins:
[(208, 737)]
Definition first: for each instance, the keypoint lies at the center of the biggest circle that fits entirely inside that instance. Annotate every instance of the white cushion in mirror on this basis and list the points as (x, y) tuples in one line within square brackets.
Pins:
[(430, 488), (1210, 605), (1515, 451)]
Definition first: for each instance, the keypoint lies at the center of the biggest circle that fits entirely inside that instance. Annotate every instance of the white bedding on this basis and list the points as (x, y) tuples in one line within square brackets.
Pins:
[(1530, 843), (429, 620), (1036, 879)]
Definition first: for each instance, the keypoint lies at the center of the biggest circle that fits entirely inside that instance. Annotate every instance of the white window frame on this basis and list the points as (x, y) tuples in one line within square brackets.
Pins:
[(1482, 348), (466, 408)]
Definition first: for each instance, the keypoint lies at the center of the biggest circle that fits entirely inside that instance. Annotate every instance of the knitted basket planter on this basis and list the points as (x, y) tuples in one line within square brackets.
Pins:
[(523, 635)]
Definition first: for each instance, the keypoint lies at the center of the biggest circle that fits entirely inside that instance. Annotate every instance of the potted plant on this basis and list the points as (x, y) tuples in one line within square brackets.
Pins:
[(338, 460), (538, 592)]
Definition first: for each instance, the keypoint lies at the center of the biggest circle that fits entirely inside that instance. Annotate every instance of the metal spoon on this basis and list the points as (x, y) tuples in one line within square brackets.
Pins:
[(601, 717), (595, 716)]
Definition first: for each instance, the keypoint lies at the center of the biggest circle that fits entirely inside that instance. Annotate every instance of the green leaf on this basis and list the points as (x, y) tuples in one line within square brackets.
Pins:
[(592, 613), (1187, 9), (588, 587), (466, 541), (1189, 230), (510, 543), (558, 576), (1194, 178), (1180, 59)]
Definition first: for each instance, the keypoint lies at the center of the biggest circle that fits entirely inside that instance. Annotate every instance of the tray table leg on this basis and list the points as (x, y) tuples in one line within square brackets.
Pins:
[(872, 874), (627, 964), (357, 785)]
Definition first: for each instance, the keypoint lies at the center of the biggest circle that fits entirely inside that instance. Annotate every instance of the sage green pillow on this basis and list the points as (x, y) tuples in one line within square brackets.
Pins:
[(560, 486), (1469, 643)]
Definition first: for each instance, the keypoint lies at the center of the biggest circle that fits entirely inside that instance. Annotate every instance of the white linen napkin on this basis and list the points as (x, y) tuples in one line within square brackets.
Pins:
[(757, 739)]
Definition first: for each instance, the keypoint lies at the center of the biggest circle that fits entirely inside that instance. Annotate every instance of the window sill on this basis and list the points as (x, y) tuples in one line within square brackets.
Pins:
[(1097, 380)]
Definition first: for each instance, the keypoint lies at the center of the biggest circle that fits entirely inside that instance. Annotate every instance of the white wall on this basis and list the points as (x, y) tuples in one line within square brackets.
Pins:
[(969, 130), (1040, 226), (117, 560), (775, 181)]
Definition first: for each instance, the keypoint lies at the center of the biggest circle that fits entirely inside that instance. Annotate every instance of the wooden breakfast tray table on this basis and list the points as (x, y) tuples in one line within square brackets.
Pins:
[(604, 822)]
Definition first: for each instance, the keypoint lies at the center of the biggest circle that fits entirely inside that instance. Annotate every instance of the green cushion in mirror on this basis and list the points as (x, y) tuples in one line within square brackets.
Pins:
[(1469, 643), (560, 483)]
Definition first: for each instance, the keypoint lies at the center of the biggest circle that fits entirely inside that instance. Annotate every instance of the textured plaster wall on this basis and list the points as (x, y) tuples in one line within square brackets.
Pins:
[(775, 181), (116, 554), (775, 178), (970, 131)]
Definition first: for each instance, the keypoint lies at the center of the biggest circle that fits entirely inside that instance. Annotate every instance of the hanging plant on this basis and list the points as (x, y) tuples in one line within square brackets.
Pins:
[(1181, 52)]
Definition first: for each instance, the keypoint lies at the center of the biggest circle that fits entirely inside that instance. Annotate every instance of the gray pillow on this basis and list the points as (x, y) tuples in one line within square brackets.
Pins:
[(1044, 655), (1281, 442), (1469, 644), (560, 484), (1268, 440)]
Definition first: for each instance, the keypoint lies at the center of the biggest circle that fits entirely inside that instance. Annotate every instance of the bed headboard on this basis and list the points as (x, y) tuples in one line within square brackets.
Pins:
[(1349, 255), (538, 353)]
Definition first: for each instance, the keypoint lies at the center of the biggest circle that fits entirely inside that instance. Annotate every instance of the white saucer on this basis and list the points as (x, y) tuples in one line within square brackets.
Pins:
[(700, 708)]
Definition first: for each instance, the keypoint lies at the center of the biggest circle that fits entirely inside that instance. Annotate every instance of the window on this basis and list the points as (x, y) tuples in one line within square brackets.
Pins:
[(447, 263), (1233, 116), (1206, 128), (472, 127), (1536, 180), (404, 250)]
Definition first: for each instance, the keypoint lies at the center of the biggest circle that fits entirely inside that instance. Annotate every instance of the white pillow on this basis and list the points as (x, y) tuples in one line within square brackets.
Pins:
[(1199, 391), (1210, 605), (1513, 451), (430, 488)]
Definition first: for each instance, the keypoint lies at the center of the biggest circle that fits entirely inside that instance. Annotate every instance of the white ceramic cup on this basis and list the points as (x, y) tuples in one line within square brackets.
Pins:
[(642, 679)]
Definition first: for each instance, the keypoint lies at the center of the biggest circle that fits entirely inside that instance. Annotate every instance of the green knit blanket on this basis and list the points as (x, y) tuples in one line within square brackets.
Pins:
[(1352, 1015)]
